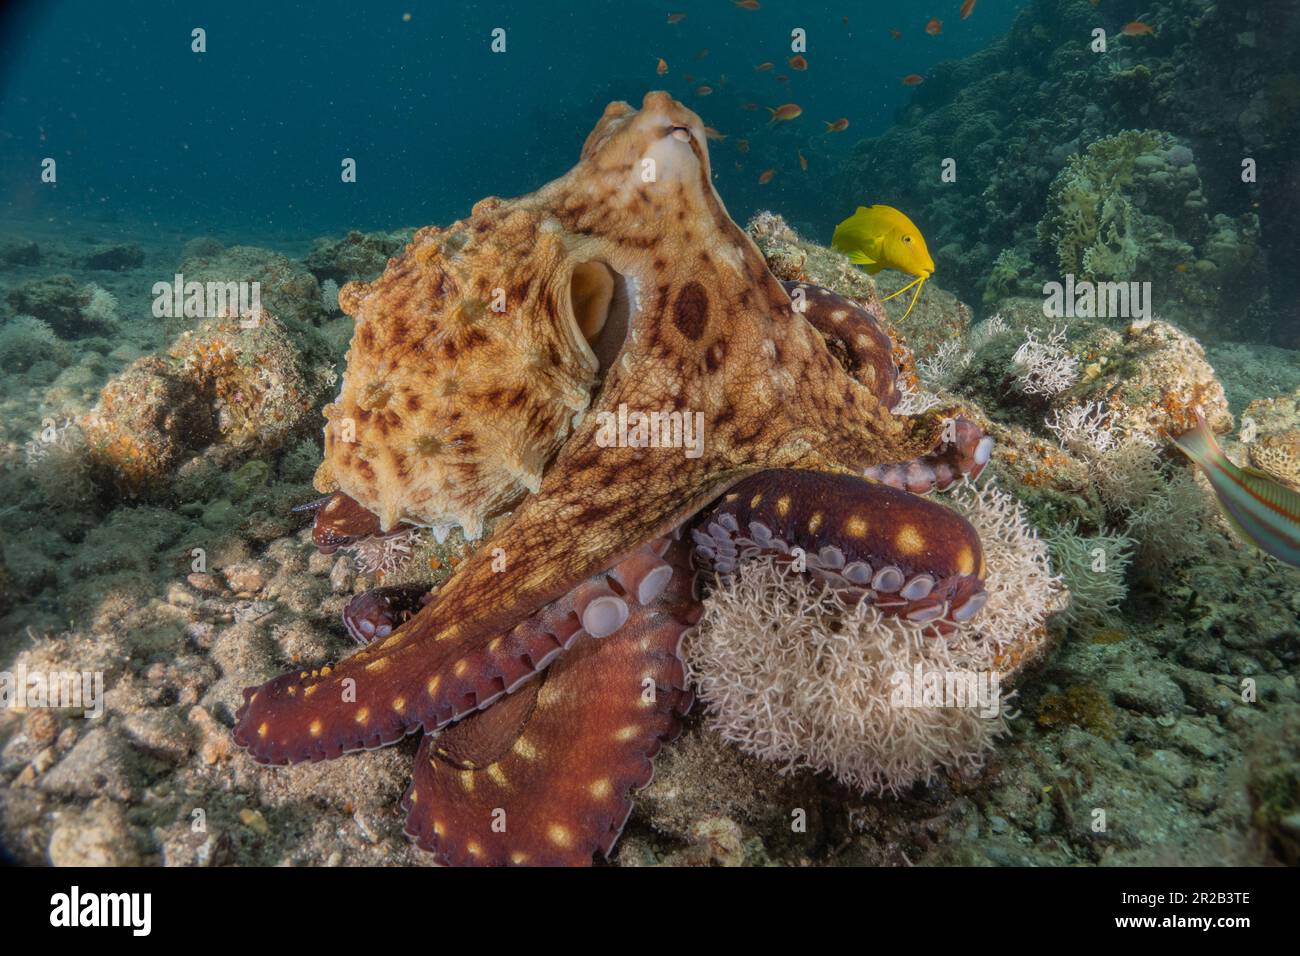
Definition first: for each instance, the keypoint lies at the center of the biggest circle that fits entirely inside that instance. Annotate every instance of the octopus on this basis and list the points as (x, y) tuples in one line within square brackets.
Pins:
[(605, 387)]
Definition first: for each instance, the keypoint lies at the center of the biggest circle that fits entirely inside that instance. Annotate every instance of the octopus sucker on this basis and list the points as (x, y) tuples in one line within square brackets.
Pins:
[(617, 293), (913, 559)]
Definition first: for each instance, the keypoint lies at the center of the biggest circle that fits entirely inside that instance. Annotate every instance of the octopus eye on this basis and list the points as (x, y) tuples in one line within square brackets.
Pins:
[(682, 134)]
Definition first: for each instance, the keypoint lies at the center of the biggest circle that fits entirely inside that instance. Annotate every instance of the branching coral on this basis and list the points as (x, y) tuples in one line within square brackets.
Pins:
[(1093, 568), (101, 306), (1086, 429), (939, 369), (58, 460), (1125, 468), (329, 297), (1046, 366), (790, 674), (1161, 510), (26, 340), (1171, 522), (1089, 220)]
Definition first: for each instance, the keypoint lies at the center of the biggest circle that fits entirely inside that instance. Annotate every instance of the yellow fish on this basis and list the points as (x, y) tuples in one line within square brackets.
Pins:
[(881, 237)]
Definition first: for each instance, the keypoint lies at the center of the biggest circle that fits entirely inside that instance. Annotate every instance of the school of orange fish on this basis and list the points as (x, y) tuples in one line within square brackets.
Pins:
[(799, 63)]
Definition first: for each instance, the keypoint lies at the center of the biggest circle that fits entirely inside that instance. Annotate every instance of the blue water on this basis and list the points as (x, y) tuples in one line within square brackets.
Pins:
[(248, 137)]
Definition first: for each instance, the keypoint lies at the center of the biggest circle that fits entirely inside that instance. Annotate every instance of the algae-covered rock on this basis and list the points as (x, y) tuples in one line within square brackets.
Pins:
[(62, 303), (231, 389), (1132, 208), (1271, 432), (20, 252), (25, 341), (287, 289), (358, 256), (115, 256)]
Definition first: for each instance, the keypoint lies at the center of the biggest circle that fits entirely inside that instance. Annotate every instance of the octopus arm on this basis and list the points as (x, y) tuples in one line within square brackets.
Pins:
[(484, 634), (910, 557), (546, 776)]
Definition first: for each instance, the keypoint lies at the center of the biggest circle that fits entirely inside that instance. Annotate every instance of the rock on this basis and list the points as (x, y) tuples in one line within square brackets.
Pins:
[(182, 845), (226, 390), (1168, 766), (100, 764), (1197, 738), (1205, 693), (286, 288), (60, 302), (245, 578), (42, 726), (20, 252), (117, 256), (96, 836), (254, 820), (358, 256), (202, 247), (215, 745), (161, 733), (343, 575), (320, 564), (1147, 691)]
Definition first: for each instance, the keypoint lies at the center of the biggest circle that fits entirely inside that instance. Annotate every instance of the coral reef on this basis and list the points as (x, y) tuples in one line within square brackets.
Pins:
[(799, 385), (19, 252), (1153, 722), (1128, 162)]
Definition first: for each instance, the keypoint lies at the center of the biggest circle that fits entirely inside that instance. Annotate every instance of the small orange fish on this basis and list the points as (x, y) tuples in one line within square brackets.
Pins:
[(749, 106), (676, 17), (803, 163), (747, 4), (838, 126), (967, 8), (896, 34), (688, 77), (742, 145), (1138, 29), (662, 68), (913, 79), (785, 112), (765, 66), (712, 133), (765, 176), (703, 90), (798, 63), (934, 27), (782, 78)]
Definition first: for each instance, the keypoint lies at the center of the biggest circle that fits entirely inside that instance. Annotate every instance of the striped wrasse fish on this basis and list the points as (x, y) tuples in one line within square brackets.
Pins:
[(1262, 510)]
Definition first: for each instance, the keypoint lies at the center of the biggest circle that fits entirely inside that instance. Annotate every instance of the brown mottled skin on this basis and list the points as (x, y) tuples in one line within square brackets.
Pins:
[(715, 333)]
